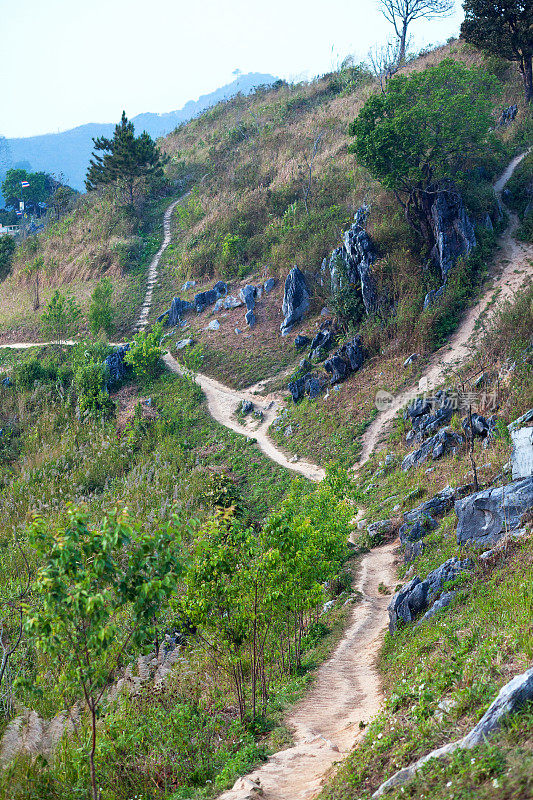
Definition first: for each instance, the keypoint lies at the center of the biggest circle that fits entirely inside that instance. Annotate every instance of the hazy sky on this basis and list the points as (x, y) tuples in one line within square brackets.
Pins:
[(67, 62)]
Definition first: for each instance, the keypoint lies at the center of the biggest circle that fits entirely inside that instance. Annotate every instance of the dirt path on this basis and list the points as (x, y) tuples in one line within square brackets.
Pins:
[(513, 263), (346, 692), (152, 269), (223, 402)]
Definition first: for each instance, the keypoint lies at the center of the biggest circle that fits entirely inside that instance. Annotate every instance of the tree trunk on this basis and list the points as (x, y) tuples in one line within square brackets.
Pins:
[(95, 792), (403, 43), (526, 68)]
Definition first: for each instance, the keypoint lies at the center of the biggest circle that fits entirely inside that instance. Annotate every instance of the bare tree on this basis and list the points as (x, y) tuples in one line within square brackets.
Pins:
[(400, 13), (384, 62)]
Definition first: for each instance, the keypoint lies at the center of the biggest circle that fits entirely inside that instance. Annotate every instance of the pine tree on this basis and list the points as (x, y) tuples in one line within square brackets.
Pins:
[(504, 28), (128, 162)]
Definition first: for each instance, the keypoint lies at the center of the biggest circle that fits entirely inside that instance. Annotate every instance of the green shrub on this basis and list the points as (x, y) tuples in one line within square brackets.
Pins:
[(90, 387), (145, 353), (101, 312), (7, 250), (26, 374)]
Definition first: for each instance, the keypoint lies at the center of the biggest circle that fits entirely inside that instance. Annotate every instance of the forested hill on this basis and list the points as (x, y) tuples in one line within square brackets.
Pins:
[(68, 152)]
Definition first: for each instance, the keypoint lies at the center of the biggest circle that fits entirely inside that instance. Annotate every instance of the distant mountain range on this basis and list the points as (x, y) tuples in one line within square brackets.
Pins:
[(68, 152)]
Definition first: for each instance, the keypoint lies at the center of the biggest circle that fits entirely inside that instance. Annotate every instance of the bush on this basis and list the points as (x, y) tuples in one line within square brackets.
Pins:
[(90, 382), (7, 250), (145, 353), (100, 310), (26, 374)]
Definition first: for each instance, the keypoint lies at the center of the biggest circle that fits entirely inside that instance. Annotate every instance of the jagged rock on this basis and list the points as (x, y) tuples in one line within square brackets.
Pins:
[(357, 255), (301, 341), (337, 368), (250, 318), (269, 285), (322, 341), (417, 530), (508, 115), (416, 596), (444, 441), (522, 455), (411, 359), (429, 424), (7, 381), (481, 427), (437, 505), (383, 527), (248, 295), (295, 300), (308, 385), (214, 325), (513, 696), (443, 601), (116, 368), (226, 304), (353, 353), (418, 408), (188, 285), (452, 229), (247, 406), (484, 517), (183, 343), (209, 298), (433, 295), (177, 309)]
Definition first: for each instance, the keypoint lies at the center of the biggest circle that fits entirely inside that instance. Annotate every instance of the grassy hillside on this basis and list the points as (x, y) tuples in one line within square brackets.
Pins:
[(466, 653)]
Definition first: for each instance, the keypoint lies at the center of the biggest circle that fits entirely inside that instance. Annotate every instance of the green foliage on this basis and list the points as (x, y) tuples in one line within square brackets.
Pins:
[(504, 29), (145, 353), (100, 317), (346, 301), (233, 248), (427, 128), (90, 385), (7, 251), (60, 317), (96, 596), (39, 190), (129, 163)]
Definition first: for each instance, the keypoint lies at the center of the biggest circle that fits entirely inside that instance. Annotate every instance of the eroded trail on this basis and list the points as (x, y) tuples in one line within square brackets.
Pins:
[(512, 265), (224, 402), (153, 268)]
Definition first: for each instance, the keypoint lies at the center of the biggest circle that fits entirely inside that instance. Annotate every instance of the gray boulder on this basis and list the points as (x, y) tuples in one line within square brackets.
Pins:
[(322, 341), (522, 455), (188, 285), (415, 531), (250, 318), (443, 601), (357, 256), (205, 299), (301, 341), (353, 353), (309, 385), (337, 368), (116, 368), (269, 285), (295, 300), (433, 295), (435, 447), (214, 325), (247, 407), (484, 517), (437, 505), (452, 229), (248, 295), (417, 596), (183, 343), (177, 309), (227, 303)]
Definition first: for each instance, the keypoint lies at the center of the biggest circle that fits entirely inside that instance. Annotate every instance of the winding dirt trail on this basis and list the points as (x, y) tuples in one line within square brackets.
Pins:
[(346, 692), (223, 403), (512, 264)]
